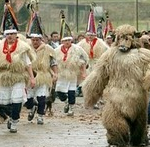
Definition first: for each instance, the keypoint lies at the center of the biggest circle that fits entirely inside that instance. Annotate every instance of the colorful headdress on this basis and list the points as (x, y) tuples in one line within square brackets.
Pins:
[(91, 24), (34, 28), (108, 27), (9, 21), (65, 32)]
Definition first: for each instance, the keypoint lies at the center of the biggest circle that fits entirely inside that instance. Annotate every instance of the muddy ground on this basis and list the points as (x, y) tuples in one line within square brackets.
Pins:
[(82, 130)]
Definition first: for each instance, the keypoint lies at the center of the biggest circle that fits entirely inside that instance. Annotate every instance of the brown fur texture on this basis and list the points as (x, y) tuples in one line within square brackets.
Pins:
[(121, 78), (145, 41)]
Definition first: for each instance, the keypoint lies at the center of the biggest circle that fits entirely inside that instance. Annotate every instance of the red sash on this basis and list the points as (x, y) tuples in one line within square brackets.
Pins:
[(92, 43), (65, 51), (8, 51)]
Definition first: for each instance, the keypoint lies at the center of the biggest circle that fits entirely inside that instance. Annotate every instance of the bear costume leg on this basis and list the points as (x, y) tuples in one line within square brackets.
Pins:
[(138, 131), (121, 131), (116, 126)]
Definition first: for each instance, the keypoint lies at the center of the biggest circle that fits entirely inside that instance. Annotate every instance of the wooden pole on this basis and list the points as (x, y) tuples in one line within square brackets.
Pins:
[(77, 15), (137, 17)]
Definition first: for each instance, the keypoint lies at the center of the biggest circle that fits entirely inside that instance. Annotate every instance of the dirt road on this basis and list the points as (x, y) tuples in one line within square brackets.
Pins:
[(82, 130)]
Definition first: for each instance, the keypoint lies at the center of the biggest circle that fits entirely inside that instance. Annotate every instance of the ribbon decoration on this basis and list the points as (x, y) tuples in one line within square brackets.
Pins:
[(65, 51), (8, 51), (92, 43)]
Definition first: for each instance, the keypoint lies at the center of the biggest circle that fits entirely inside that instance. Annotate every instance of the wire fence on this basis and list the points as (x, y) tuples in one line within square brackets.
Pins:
[(77, 15)]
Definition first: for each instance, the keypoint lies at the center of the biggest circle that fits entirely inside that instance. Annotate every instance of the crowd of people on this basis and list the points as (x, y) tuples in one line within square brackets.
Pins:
[(65, 87)]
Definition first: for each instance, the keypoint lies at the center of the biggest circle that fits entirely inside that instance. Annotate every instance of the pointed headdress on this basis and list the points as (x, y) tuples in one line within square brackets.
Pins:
[(9, 21), (65, 32), (91, 29), (108, 26), (34, 28)]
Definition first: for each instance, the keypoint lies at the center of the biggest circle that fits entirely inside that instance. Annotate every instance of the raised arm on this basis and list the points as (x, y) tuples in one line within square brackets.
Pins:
[(96, 81)]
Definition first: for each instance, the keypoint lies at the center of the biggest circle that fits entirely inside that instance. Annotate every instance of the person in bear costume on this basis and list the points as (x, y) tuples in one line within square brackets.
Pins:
[(121, 77)]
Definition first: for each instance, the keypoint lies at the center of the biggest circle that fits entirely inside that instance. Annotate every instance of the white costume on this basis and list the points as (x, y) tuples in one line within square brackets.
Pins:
[(69, 69), (42, 67), (94, 49), (13, 76)]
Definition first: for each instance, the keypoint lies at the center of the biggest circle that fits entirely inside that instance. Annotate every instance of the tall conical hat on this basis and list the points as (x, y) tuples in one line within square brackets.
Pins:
[(34, 28), (108, 27), (65, 32), (91, 24), (9, 21)]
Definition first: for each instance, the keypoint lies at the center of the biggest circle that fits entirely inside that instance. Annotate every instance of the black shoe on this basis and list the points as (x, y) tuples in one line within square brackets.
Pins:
[(9, 124), (13, 130), (66, 108), (32, 113)]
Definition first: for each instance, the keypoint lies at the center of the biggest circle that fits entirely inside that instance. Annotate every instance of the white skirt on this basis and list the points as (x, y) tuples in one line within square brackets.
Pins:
[(13, 94), (64, 85), (38, 91)]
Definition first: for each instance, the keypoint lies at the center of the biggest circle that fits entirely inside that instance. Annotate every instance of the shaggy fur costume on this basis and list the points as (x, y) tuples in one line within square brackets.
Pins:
[(16, 71), (98, 49), (121, 77), (41, 66), (70, 68)]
